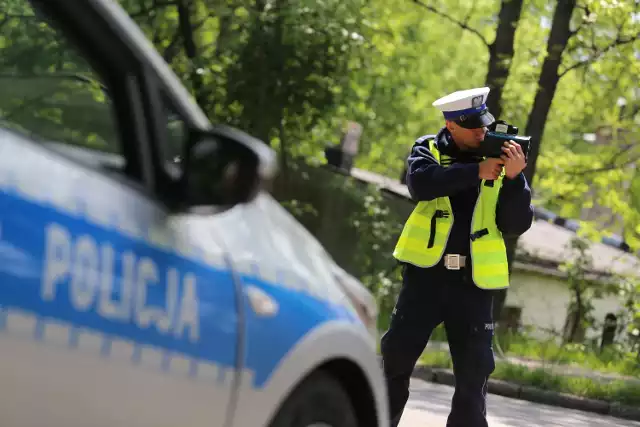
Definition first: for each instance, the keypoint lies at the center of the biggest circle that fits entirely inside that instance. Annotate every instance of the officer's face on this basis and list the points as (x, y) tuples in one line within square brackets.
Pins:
[(470, 138)]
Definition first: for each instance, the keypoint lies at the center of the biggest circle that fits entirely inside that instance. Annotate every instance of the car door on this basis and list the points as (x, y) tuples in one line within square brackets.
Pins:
[(112, 311)]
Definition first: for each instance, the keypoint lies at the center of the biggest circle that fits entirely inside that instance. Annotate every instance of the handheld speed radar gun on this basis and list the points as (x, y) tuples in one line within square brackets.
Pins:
[(495, 138)]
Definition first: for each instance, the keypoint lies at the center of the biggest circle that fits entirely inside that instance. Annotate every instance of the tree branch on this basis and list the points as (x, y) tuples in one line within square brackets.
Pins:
[(610, 165), (173, 48), (460, 24), (187, 31), (600, 53), (633, 112), (585, 20), (469, 14)]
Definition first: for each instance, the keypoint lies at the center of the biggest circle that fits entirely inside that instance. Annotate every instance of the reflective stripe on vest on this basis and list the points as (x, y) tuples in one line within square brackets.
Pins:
[(426, 232)]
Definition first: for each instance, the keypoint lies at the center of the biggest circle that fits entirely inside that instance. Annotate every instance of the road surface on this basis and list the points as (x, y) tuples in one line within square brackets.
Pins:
[(429, 405)]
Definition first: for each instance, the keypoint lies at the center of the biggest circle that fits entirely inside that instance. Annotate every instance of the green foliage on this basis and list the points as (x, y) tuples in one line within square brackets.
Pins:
[(415, 57), (586, 288), (276, 69), (378, 231), (292, 72), (302, 52), (597, 96), (629, 292), (583, 290)]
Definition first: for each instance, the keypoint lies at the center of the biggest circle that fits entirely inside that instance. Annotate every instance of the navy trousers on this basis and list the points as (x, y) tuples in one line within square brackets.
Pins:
[(429, 297)]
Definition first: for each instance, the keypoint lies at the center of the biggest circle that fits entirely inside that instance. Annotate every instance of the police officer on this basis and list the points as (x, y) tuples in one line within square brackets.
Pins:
[(453, 253)]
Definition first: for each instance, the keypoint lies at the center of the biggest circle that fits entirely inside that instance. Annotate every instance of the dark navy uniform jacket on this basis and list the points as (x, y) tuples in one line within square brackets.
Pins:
[(459, 181)]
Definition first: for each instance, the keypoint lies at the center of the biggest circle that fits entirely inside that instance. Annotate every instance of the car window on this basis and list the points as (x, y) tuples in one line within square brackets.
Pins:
[(48, 90)]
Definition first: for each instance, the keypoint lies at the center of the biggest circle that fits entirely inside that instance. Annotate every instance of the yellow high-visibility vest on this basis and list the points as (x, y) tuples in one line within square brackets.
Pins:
[(426, 232)]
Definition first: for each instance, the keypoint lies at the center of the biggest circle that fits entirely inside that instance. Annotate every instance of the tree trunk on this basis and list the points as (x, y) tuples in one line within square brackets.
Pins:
[(185, 8), (547, 84), (548, 81), (501, 53), (500, 58), (577, 315), (224, 34), (281, 89)]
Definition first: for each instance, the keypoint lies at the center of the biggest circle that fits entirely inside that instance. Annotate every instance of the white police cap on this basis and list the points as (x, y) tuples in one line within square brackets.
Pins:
[(466, 107)]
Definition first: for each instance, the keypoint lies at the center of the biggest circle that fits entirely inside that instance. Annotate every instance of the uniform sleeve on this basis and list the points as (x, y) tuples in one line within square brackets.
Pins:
[(427, 180), (514, 213)]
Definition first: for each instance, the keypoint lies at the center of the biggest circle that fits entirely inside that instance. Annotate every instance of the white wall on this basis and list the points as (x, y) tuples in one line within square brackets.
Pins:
[(544, 301)]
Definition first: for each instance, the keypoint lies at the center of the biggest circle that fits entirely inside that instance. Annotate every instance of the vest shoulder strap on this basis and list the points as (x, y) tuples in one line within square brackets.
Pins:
[(430, 142), (425, 138)]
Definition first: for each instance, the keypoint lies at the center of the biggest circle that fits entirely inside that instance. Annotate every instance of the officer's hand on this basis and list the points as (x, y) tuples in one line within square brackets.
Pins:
[(490, 168), (514, 159)]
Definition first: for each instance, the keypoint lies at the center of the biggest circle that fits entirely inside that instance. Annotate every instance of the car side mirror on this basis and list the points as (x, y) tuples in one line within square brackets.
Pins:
[(224, 166)]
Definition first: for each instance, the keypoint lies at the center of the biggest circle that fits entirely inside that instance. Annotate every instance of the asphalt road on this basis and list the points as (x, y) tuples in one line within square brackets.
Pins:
[(429, 405)]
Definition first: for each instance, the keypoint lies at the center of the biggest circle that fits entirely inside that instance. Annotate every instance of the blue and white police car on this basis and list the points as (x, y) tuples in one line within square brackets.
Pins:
[(146, 278)]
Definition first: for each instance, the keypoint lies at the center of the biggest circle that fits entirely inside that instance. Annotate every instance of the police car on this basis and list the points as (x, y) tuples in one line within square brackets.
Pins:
[(146, 276)]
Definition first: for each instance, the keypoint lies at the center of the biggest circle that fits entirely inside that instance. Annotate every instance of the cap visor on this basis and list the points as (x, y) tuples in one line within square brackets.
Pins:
[(480, 120)]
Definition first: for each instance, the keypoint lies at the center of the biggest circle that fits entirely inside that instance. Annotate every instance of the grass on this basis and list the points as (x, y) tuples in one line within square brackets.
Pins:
[(615, 391), (611, 360), (436, 359)]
